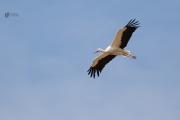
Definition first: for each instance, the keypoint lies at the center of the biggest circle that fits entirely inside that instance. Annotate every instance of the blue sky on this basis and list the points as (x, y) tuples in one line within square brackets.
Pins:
[(46, 51)]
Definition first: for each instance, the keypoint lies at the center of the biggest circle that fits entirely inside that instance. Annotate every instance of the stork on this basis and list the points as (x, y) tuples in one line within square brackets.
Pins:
[(115, 49)]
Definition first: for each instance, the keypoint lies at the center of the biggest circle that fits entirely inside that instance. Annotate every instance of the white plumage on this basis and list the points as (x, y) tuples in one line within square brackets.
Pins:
[(115, 49)]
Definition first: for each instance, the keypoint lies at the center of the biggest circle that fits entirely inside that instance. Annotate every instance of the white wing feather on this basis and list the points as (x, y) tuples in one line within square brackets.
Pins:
[(117, 40), (95, 62)]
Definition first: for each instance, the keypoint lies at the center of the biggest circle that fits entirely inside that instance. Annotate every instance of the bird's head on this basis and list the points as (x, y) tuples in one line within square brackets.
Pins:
[(98, 50)]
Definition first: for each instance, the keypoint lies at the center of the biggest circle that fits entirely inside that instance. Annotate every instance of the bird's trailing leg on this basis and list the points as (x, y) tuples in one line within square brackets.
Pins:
[(131, 56)]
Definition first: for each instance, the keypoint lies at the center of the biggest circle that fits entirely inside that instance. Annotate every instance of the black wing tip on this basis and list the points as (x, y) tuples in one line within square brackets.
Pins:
[(92, 72), (133, 23)]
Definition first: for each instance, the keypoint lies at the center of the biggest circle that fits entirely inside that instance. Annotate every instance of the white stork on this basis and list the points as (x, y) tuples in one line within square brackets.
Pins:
[(115, 49)]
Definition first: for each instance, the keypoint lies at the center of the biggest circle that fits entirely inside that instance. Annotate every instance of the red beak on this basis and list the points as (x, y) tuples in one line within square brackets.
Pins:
[(95, 52)]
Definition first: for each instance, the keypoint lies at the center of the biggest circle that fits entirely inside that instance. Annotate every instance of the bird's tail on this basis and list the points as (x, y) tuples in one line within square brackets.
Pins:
[(127, 52)]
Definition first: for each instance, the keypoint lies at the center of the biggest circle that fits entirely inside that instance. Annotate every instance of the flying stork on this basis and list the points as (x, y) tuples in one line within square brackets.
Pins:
[(115, 49)]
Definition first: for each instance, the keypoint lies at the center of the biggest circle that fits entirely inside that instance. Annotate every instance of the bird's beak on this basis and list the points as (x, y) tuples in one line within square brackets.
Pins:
[(95, 52)]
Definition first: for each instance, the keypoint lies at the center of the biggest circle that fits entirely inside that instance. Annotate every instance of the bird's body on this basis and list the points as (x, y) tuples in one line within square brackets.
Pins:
[(115, 49)]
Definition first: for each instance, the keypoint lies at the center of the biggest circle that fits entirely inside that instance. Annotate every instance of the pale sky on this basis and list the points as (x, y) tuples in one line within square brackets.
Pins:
[(47, 50)]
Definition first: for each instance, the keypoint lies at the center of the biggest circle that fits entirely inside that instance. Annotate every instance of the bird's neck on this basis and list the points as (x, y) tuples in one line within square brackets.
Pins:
[(101, 50)]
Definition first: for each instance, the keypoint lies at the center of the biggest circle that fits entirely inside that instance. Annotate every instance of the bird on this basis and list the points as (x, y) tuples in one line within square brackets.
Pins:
[(115, 49)]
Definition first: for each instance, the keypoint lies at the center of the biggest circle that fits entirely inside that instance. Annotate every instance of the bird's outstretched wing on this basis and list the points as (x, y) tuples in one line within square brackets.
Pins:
[(99, 63), (124, 34)]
